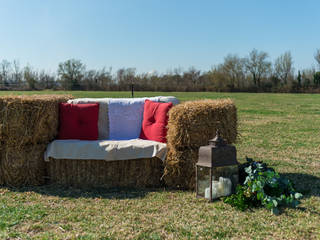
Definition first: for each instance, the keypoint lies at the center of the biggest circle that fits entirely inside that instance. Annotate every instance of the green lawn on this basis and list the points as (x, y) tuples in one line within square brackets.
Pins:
[(280, 129)]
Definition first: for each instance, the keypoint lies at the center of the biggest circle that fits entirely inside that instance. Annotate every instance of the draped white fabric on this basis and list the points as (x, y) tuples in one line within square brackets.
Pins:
[(105, 150)]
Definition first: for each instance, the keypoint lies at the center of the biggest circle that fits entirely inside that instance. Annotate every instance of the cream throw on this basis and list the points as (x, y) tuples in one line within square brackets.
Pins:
[(105, 150)]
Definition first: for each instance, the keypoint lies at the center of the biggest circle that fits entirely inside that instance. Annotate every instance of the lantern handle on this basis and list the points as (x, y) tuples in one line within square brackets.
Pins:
[(218, 141)]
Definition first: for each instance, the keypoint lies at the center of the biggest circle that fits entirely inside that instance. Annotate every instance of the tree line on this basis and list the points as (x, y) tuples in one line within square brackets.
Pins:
[(253, 73)]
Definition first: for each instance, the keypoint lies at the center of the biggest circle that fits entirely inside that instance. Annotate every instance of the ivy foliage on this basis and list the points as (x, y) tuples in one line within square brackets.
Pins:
[(263, 186)]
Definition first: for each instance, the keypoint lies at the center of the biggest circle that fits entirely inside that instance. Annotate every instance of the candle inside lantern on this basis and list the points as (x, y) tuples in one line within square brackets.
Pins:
[(220, 188)]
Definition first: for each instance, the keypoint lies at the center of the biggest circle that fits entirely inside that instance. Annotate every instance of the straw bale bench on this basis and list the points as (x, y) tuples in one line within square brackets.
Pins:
[(105, 163), (191, 124)]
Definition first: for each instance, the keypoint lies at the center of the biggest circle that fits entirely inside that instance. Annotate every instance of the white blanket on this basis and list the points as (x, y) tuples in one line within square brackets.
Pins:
[(105, 150), (125, 117)]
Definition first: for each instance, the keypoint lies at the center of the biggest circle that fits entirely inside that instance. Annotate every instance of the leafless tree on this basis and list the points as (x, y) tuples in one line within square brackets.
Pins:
[(283, 67), (71, 73), (17, 74), (317, 57), (125, 77), (30, 77), (191, 78), (5, 69), (257, 65), (234, 70)]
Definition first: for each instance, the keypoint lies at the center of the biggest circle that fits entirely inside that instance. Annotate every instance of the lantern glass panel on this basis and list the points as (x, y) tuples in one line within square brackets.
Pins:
[(230, 172), (203, 180)]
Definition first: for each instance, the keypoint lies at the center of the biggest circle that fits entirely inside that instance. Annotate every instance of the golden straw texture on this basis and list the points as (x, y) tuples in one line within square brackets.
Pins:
[(27, 125), (24, 166), (29, 119), (191, 124), (100, 173)]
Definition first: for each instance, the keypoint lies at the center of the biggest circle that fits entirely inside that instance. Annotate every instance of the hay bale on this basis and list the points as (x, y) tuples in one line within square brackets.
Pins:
[(107, 174), (22, 166), (179, 169), (191, 124), (1, 174), (29, 119)]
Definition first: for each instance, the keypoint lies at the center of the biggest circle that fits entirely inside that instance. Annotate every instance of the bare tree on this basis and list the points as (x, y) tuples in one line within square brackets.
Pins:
[(46, 80), (30, 77), (191, 78), (5, 69), (71, 73), (307, 76), (125, 77), (234, 69), (17, 73), (257, 65), (317, 57), (283, 67)]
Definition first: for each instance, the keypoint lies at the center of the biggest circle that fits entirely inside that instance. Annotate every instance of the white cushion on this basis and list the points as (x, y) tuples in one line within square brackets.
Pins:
[(105, 150)]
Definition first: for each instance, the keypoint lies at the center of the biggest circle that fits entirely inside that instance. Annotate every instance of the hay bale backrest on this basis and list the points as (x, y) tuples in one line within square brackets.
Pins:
[(191, 124)]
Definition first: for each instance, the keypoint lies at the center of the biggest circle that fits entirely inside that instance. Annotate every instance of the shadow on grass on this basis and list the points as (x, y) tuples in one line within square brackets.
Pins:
[(306, 184), (71, 192)]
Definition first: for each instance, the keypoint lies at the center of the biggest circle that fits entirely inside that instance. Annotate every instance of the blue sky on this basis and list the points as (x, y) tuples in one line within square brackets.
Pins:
[(155, 34)]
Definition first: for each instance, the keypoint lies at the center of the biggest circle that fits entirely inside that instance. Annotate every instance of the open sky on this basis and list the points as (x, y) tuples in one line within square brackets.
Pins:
[(156, 34)]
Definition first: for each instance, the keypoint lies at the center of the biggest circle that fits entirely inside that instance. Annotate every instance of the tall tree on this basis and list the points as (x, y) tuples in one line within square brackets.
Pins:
[(234, 69), (299, 78), (283, 67), (125, 77), (17, 73), (71, 73), (257, 65), (5, 69), (191, 78), (30, 77), (317, 57)]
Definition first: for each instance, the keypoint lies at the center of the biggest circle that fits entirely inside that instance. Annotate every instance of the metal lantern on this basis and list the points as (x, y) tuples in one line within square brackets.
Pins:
[(217, 169)]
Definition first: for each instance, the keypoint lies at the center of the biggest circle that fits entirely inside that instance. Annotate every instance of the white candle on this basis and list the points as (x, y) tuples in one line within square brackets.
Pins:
[(219, 188)]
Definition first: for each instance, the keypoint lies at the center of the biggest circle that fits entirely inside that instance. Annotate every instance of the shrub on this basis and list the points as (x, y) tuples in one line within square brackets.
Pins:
[(263, 187)]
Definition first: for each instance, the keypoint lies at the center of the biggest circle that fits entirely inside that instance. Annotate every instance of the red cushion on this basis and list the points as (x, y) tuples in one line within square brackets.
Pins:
[(155, 120), (78, 121)]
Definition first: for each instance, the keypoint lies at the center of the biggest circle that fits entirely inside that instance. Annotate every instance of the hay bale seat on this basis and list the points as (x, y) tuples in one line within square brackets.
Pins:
[(99, 173), (27, 125), (191, 124)]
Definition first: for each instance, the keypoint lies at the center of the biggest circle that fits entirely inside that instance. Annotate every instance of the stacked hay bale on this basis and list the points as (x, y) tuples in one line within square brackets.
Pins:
[(27, 125), (191, 124), (108, 174)]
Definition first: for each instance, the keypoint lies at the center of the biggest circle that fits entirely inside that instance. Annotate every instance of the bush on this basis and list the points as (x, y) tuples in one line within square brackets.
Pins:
[(263, 187)]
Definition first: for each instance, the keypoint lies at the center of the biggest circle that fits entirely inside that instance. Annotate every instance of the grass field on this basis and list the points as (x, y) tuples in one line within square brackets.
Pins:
[(281, 129)]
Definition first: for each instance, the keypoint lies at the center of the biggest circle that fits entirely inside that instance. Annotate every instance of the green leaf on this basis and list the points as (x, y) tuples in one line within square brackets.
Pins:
[(275, 203), (298, 195)]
